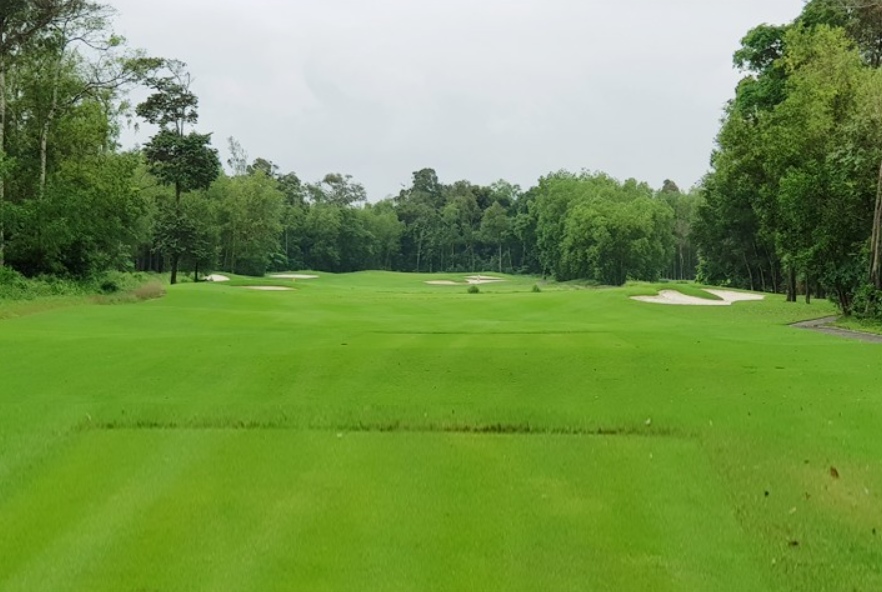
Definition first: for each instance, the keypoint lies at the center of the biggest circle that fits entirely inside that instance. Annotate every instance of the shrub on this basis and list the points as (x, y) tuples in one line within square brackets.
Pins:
[(474, 289), (109, 287), (536, 288), (867, 303)]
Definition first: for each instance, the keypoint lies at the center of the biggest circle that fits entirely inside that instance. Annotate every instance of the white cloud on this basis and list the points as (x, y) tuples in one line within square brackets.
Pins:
[(477, 90)]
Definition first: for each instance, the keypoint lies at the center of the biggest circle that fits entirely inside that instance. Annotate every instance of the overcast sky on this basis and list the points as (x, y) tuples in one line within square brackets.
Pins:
[(476, 89)]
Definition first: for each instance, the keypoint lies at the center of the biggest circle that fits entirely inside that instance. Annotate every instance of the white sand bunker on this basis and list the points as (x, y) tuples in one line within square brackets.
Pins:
[(472, 280), (727, 297), (269, 288), (294, 276), (483, 279), (216, 278)]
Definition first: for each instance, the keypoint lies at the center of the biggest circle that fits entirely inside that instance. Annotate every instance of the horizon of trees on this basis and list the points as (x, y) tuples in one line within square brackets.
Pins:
[(792, 202)]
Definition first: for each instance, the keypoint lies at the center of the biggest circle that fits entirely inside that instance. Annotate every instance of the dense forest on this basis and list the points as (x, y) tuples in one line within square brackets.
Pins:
[(791, 204), (794, 202)]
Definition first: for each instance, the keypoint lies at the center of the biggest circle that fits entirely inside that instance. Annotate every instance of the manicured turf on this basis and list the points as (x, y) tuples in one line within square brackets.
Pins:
[(373, 432)]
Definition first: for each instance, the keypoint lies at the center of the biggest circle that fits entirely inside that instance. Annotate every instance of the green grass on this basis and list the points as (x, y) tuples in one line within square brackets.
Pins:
[(864, 326), (373, 432)]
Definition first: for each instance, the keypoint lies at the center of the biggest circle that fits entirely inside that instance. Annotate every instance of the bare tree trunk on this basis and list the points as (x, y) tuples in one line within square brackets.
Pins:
[(46, 128), (176, 255), (174, 268), (749, 271), (876, 240), (791, 285), (808, 289), (774, 275), (2, 159), (681, 261), (44, 150)]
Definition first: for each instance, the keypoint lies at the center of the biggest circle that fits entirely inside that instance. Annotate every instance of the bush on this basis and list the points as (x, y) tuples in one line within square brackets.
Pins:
[(536, 288), (15, 286), (474, 290), (118, 281), (109, 287), (867, 303)]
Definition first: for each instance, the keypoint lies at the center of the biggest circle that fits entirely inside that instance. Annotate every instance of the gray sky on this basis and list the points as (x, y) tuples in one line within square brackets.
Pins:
[(476, 89)]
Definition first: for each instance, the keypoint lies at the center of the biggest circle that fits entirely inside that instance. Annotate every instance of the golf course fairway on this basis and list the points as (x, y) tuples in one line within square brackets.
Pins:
[(375, 432)]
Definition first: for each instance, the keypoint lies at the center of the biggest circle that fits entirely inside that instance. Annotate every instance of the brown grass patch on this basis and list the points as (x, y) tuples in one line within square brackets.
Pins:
[(149, 291)]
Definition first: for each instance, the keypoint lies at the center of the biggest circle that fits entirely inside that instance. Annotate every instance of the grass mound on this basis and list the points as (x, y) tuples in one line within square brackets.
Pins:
[(687, 289)]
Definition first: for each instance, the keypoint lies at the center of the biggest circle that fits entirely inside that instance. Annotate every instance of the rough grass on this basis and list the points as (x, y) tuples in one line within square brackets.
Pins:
[(686, 288), (148, 291), (372, 432), (865, 326)]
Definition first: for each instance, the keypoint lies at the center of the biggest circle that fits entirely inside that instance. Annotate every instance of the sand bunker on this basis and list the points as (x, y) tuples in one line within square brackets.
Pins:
[(728, 297), (472, 280), (216, 278), (483, 279), (294, 276), (269, 288)]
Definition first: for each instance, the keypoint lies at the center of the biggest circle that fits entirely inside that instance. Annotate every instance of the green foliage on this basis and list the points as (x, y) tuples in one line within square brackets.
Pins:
[(14, 286), (249, 210), (473, 289), (183, 161), (789, 202), (593, 227), (172, 104)]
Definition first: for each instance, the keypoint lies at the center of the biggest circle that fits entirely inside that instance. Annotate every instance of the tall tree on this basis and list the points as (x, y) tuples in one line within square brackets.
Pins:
[(179, 159), (495, 227), (20, 22)]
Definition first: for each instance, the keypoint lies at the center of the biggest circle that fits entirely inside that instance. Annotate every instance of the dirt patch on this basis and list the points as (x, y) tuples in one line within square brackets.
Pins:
[(673, 297), (824, 326), (294, 276)]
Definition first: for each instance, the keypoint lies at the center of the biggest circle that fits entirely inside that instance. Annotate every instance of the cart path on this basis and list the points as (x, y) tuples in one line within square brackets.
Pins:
[(823, 326)]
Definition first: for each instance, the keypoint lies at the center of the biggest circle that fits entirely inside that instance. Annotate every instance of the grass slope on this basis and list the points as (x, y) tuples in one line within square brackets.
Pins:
[(370, 431)]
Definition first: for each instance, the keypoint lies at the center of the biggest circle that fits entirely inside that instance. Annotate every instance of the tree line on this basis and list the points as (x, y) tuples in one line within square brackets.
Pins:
[(570, 226), (794, 199)]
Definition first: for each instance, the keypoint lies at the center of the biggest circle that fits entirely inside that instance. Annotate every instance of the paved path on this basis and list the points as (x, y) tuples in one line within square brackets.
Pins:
[(823, 326)]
